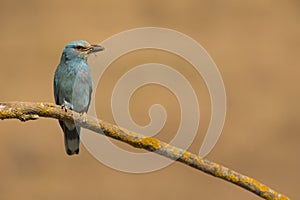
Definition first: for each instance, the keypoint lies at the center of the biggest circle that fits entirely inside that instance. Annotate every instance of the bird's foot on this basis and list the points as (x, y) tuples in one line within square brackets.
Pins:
[(66, 105), (63, 107)]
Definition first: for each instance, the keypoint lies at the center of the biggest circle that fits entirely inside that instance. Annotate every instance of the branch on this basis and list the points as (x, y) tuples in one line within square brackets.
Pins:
[(25, 111)]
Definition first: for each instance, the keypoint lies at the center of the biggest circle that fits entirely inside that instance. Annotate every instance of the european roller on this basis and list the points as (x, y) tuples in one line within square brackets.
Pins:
[(73, 87)]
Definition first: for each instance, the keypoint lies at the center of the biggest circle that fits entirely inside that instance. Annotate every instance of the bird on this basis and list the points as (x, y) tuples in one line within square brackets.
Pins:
[(73, 87)]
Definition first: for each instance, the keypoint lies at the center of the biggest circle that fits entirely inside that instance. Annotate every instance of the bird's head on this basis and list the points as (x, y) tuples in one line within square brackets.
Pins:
[(80, 49)]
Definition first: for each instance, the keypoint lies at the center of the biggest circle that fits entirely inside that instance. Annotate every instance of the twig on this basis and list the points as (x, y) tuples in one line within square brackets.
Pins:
[(31, 111)]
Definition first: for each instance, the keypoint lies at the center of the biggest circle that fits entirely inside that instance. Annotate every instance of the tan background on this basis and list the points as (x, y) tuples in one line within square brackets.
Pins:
[(256, 46)]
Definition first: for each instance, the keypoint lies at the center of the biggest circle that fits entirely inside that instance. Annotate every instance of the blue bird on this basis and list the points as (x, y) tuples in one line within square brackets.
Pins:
[(73, 87)]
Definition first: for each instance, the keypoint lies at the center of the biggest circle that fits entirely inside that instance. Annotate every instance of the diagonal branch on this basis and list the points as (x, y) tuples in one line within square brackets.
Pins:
[(30, 111)]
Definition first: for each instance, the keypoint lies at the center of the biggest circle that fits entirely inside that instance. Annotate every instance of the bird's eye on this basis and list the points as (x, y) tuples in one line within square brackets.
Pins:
[(79, 47)]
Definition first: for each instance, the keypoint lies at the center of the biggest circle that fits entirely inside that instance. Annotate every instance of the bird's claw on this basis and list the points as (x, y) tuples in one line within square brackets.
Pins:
[(66, 105)]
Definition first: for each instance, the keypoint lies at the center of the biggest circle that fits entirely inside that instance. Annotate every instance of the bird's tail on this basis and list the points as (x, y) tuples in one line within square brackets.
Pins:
[(72, 139)]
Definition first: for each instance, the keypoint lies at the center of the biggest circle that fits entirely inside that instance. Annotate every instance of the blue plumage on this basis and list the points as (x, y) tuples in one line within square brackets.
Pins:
[(73, 87)]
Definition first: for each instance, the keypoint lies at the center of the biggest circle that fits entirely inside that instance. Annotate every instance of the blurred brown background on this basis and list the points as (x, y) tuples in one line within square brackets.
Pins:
[(256, 46)]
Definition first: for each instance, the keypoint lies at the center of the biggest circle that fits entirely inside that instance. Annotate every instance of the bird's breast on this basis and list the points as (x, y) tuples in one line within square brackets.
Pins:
[(75, 87)]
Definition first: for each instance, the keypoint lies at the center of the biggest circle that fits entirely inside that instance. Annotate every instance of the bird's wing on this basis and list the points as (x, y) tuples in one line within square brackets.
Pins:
[(90, 93), (55, 85)]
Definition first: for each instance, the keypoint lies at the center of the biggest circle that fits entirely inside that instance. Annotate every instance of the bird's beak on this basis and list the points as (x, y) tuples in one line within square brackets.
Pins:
[(95, 48)]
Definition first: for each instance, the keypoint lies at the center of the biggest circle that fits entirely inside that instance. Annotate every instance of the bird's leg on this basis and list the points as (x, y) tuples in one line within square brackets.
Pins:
[(66, 105)]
